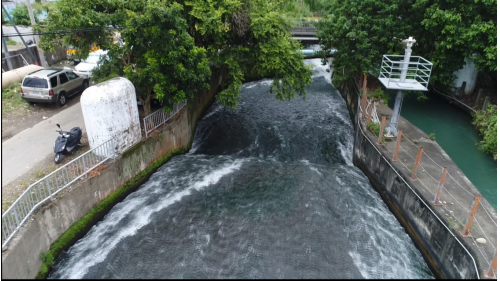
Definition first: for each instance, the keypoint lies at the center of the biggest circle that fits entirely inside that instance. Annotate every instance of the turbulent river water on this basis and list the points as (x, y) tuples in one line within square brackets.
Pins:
[(268, 190)]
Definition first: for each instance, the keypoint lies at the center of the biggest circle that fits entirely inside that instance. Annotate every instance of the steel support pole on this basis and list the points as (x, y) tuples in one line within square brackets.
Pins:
[(436, 202), (470, 220), (395, 157), (6, 51), (491, 273), (381, 133), (363, 102), (22, 39), (415, 166), (43, 62), (396, 111)]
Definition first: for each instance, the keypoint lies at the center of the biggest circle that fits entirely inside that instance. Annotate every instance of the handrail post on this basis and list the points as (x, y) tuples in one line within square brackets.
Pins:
[(145, 128), (436, 201), (370, 109), (491, 273), (415, 166), (395, 157), (381, 133), (470, 220), (48, 186), (363, 102)]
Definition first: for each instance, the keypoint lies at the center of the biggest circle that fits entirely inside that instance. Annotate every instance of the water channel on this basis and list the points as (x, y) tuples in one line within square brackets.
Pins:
[(267, 191), (457, 136)]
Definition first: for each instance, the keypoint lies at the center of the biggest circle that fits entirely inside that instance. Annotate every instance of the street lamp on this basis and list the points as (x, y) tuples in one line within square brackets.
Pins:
[(410, 74)]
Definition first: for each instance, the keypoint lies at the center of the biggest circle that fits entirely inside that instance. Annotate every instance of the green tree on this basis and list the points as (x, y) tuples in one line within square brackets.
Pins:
[(169, 45), (447, 32), (20, 15)]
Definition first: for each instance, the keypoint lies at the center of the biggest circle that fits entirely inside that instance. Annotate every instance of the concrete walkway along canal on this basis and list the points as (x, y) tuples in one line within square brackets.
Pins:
[(267, 191)]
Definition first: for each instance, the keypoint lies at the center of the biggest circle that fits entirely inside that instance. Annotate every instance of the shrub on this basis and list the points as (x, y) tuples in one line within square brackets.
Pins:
[(486, 122), (432, 137), (379, 94), (374, 127)]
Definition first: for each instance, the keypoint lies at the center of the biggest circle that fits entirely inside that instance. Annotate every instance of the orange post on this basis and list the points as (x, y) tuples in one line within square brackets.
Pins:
[(491, 273), (435, 202), (414, 172), (370, 108), (363, 101), (470, 220), (395, 157), (381, 133)]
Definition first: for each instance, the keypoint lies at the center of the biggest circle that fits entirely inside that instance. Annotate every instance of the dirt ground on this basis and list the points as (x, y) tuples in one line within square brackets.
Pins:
[(13, 190)]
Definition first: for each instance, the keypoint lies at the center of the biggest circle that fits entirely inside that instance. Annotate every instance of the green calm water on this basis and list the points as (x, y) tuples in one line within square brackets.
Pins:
[(456, 135)]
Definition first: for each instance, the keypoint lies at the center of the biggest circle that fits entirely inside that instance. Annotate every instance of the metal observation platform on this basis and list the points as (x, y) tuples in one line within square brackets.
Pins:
[(418, 72)]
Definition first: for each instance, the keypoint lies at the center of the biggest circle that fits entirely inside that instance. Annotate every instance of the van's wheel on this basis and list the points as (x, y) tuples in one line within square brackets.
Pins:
[(58, 158), (85, 85), (61, 99)]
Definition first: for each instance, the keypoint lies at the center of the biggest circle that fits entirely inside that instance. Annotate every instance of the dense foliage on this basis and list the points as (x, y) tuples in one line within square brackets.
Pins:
[(447, 32), (21, 16), (486, 122), (170, 45)]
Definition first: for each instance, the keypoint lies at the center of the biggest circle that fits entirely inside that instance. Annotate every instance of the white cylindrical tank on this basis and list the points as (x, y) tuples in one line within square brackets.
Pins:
[(110, 111)]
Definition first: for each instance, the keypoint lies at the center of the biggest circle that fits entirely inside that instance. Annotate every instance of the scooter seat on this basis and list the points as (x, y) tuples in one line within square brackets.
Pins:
[(75, 133)]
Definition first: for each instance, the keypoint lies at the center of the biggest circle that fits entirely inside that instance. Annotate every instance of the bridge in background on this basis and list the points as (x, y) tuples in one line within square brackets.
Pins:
[(304, 30)]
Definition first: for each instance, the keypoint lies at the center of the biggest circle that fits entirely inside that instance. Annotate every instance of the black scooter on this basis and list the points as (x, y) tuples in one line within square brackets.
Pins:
[(66, 142)]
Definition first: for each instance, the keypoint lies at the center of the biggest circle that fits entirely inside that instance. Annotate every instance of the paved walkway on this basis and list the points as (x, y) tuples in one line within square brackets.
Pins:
[(29, 147), (458, 193)]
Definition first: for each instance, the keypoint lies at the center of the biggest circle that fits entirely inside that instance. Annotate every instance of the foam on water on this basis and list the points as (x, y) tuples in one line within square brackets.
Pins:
[(101, 241), (320, 70)]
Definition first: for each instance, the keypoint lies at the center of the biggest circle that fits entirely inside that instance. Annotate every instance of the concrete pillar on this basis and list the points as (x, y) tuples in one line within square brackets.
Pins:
[(485, 104), (479, 96)]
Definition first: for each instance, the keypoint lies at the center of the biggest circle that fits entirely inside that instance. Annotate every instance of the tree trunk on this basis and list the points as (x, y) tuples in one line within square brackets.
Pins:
[(146, 105)]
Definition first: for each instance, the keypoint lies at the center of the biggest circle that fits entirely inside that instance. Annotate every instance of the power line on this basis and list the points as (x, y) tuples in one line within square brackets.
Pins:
[(67, 31)]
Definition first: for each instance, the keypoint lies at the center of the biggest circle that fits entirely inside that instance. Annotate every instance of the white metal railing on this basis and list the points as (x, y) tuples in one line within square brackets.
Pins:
[(419, 69), (24, 60), (160, 117), (47, 187)]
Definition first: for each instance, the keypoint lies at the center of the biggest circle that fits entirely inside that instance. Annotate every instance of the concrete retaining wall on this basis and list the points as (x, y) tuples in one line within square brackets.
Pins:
[(444, 253), (17, 61), (21, 259)]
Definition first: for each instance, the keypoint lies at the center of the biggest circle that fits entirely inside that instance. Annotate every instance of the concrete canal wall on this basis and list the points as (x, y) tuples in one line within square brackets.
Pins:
[(445, 254)]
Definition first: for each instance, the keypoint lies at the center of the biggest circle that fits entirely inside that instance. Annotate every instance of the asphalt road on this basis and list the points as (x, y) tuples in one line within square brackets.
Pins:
[(26, 149)]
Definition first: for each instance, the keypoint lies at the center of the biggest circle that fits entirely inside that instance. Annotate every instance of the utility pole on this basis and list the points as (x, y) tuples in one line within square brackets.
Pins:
[(6, 51), (36, 37)]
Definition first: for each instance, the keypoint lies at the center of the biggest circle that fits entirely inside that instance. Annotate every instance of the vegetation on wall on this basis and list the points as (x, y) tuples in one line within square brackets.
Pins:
[(447, 32), (76, 229), (486, 122), (169, 45)]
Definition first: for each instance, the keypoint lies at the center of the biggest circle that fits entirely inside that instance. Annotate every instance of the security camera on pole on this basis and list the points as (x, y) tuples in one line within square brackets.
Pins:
[(410, 74)]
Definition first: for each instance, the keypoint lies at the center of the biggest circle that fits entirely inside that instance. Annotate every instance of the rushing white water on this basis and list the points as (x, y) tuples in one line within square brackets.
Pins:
[(267, 191)]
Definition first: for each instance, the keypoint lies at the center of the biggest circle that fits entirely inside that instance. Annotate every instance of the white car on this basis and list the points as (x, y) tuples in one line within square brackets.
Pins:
[(87, 65)]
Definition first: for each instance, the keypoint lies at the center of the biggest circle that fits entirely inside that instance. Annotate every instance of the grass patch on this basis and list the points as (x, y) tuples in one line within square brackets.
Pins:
[(39, 174), (68, 237), (11, 99), (11, 43)]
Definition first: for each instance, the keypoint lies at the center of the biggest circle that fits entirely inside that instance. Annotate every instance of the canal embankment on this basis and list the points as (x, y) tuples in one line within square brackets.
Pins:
[(436, 230), (59, 223)]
